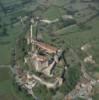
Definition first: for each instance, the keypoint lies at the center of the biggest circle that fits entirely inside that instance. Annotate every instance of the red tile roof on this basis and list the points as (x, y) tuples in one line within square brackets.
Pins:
[(40, 58), (48, 48)]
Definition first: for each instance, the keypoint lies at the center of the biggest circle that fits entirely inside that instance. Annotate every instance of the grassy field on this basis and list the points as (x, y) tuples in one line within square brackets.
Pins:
[(10, 26), (60, 3), (53, 12), (7, 89), (76, 37)]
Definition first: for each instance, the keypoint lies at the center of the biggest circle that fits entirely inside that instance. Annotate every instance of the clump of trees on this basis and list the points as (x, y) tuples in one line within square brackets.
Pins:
[(83, 26), (22, 48), (42, 93), (68, 22), (4, 30), (71, 79)]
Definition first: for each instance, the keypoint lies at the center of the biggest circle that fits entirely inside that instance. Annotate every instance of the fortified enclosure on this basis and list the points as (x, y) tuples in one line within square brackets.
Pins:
[(49, 49)]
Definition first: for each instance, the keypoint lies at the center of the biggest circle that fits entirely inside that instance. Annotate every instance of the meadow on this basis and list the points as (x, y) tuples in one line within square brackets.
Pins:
[(10, 26), (7, 87)]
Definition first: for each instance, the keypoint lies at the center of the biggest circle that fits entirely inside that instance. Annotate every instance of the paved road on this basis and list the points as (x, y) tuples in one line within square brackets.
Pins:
[(8, 66), (49, 85)]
